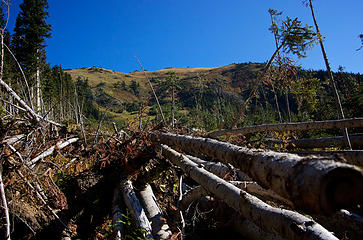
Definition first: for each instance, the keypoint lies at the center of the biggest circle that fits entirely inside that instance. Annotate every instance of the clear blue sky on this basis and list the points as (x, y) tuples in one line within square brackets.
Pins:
[(195, 33)]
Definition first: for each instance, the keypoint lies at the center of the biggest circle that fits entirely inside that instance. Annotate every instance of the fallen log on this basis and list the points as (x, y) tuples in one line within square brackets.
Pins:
[(159, 227), (133, 204), (220, 169), (313, 184), (298, 126), (310, 143), (246, 182), (288, 224), (345, 224), (13, 139), (49, 151), (35, 117), (117, 217), (354, 157)]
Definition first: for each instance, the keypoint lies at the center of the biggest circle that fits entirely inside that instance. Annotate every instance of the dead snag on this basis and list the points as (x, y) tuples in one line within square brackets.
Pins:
[(298, 126), (313, 184), (288, 224)]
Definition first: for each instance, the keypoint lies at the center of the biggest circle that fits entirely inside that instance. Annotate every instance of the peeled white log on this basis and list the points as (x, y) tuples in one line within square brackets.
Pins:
[(4, 205), (354, 157), (258, 191), (288, 224), (247, 184), (49, 151), (160, 228), (220, 169), (298, 126), (313, 184), (133, 204), (13, 139)]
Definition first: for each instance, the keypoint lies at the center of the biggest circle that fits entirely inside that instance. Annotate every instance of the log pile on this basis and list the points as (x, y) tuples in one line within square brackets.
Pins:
[(318, 186)]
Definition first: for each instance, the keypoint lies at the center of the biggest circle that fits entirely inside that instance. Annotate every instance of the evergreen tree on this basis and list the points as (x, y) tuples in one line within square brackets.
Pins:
[(30, 33)]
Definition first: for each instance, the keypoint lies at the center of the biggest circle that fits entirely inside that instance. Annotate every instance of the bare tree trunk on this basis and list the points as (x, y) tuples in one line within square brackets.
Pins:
[(298, 126), (160, 228), (288, 104), (60, 145), (135, 207), (172, 107), (4, 204), (277, 103), (331, 78), (288, 224), (38, 101), (312, 184), (151, 86)]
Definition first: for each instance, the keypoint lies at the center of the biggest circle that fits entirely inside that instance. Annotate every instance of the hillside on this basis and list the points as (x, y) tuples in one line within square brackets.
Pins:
[(211, 97), (113, 90)]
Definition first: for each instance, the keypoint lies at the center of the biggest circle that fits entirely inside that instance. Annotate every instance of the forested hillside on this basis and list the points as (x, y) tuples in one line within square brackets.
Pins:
[(209, 97)]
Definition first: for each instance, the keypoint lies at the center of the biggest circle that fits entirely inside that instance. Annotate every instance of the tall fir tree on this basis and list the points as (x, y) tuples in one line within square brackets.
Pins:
[(30, 32)]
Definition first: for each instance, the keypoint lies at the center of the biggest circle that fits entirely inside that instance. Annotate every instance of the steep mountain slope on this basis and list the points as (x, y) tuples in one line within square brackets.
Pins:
[(120, 93)]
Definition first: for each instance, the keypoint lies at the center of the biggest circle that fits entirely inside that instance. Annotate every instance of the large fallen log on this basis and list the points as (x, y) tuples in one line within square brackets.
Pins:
[(298, 126), (354, 157), (288, 224), (310, 143), (246, 183), (313, 184), (345, 224), (133, 204), (220, 169), (49, 151), (160, 228)]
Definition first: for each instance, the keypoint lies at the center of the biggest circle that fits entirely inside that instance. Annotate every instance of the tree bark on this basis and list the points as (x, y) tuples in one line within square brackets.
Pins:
[(159, 227), (288, 224), (312, 184), (49, 151), (298, 126), (133, 204), (4, 204), (354, 157)]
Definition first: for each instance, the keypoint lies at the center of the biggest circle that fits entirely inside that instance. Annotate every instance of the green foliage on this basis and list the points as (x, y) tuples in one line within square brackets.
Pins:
[(30, 33), (135, 87), (86, 98)]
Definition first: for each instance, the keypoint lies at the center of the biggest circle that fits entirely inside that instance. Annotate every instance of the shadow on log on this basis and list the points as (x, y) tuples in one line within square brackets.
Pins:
[(288, 224), (313, 184)]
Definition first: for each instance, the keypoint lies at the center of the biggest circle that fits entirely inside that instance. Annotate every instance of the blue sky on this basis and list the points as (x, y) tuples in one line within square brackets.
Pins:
[(194, 33)]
